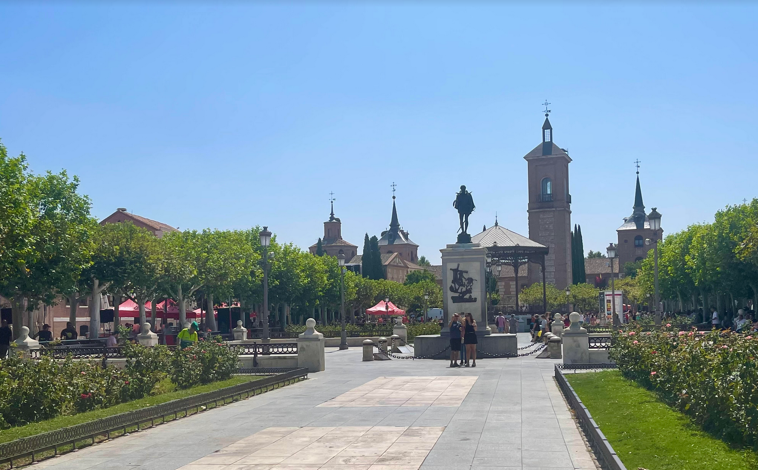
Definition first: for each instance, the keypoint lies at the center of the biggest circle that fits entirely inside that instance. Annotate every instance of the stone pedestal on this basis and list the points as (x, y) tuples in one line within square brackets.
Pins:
[(24, 343), (240, 332), (463, 283), (147, 337), (383, 344), (557, 327), (554, 346), (576, 343), (368, 350), (395, 343), (400, 330), (310, 348)]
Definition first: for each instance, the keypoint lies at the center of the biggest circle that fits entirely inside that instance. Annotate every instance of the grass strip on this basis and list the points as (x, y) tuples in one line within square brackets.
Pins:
[(164, 392), (647, 433)]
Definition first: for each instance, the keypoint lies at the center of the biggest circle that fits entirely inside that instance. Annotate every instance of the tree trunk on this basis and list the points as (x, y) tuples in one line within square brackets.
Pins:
[(94, 310), (755, 295), (117, 304), (210, 321), (153, 314), (73, 305), (182, 306), (142, 314), (18, 306)]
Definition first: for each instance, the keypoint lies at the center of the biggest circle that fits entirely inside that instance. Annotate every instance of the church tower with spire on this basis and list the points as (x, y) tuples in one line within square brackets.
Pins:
[(549, 207), (397, 240), (332, 242), (634, 232)]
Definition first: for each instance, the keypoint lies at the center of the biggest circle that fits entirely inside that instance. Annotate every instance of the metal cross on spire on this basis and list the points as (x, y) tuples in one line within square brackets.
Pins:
[(393, 186), (331, 200), (637, 163), (547, 111)]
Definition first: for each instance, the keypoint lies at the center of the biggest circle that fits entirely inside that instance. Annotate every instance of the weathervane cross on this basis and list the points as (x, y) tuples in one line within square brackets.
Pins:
[(331, 196), (637, 162), (547, 111), (393, 185)]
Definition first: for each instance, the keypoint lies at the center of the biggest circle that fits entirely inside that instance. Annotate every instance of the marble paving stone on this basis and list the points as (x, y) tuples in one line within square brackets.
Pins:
[(406, 391)]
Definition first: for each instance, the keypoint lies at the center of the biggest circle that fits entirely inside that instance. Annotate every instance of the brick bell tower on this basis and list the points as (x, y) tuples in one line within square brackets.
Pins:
[(549, 207)]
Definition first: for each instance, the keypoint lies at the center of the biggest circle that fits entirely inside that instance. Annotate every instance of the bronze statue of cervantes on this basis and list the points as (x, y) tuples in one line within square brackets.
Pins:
[(464, 202)]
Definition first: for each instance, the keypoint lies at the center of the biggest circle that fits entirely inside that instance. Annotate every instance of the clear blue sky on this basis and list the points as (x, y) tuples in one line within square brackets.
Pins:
[(231, 115)]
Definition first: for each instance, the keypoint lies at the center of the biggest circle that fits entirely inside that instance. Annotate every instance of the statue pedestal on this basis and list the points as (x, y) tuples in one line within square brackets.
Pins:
[(463, 284)]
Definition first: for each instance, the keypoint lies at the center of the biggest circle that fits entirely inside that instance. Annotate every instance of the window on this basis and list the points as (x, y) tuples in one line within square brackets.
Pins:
[(547, 135), (639, 241), (547, 190)]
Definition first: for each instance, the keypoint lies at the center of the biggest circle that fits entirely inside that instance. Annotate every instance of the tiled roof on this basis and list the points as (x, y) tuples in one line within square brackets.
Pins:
[(356, 259), (498, 235), (597, 266), (555, 152), (507, 271), (154, 224), (630, 225), (339, 242)]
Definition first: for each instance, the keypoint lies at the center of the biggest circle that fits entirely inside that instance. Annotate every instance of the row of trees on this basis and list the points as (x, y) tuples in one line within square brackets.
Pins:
[(51, 247), (710, 264)]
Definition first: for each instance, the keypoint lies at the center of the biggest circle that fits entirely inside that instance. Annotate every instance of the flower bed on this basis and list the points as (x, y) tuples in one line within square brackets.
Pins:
[(32, 391), (711, 377)]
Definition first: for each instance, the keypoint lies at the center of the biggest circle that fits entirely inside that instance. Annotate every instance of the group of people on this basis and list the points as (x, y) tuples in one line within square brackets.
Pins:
[(745, 322), (463, 339)]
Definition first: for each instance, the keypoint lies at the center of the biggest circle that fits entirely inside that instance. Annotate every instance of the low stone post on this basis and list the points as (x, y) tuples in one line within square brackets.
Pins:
[(383, 344), (240, 332), (25, 344), (400, 330), (554, 346), (576, 342), (557, 328), (147, 337), (395, 343), (368, 350), (310, 348)]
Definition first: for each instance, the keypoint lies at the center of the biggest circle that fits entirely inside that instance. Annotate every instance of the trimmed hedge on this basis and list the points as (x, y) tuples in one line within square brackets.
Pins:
[(711, 377), (37, 390)]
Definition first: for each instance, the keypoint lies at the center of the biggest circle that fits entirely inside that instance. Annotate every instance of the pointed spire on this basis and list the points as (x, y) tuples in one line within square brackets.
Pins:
[(394, 224), (495, 219), (638, 214), (331, 200), (638, 196)]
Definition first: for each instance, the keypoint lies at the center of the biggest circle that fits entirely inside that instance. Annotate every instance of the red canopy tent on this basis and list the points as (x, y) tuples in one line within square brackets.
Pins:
[(385, 308), (130, 309)]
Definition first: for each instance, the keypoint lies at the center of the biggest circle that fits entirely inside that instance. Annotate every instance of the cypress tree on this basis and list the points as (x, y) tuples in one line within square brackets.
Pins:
[(376, 259), (319, 248), (574, 274), (366, 258), (581, 267)]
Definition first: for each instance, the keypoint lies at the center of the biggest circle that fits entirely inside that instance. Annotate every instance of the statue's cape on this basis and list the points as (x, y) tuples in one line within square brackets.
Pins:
[(464, 203)]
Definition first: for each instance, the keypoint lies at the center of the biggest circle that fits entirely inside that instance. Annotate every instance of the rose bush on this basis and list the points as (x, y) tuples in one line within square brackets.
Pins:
[(202, 363), (712, 377)]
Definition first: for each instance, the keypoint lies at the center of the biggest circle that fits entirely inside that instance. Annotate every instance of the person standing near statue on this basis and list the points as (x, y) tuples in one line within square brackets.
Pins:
[(455, 340), (464, 203)]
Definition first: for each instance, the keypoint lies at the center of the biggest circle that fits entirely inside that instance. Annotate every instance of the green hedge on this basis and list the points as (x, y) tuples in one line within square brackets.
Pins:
[(37, 390), (711, 377)]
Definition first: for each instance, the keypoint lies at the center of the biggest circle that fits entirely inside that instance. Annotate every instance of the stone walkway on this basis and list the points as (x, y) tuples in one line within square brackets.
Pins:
[(505, 413)]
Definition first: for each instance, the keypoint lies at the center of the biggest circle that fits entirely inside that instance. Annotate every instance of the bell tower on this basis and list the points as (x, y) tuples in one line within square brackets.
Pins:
[(549, 206)]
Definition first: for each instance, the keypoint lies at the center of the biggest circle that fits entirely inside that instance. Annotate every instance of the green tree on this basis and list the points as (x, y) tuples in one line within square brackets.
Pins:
[(577, 256), (419, 275), (532, 295), (595, 254), (631, 268), (319, 248), (422, 261), (376, 259), (180, 250), (584, 297), (16, 214)]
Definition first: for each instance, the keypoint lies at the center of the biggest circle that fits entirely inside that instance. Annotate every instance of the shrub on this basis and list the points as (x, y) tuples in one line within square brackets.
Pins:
[(202, 363), (712, 377), (416, 329)]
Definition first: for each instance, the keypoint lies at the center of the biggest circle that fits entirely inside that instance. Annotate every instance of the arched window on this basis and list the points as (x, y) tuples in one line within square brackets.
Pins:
[(639, 241), (547, 190)]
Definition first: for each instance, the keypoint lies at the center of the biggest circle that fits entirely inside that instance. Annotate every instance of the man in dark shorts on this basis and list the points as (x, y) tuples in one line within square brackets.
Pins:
[(69, 332), (455, 339)]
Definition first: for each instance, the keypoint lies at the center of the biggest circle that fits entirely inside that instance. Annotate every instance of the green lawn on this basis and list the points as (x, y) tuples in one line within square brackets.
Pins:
[(165, 391), (647, 433)]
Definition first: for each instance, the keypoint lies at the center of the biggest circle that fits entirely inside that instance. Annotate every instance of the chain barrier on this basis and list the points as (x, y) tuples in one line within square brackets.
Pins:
[(528, 346)]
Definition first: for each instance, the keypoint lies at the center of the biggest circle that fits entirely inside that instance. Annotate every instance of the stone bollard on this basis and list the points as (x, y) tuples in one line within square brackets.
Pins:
[(25, 344), (310, 348), (557, 328), (554, 346), (401, 331), (147, 337), (576, 342), (240, 332), (394, 345), (368, 350), (383, 345)]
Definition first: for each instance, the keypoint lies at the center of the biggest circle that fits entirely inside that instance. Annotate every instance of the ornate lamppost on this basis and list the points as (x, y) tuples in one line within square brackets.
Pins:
[(265, 241), (568, 304), (612, 255), (655, 225), (426, 305), (343, 337)]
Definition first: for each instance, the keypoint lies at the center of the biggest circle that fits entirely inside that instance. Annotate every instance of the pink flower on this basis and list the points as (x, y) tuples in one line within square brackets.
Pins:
[(84, 373), (668, 325), (724, 347), (84, 396), (653, 352), (653, 373), (748, 337), (126, 382), (632, 333), (681, 333)]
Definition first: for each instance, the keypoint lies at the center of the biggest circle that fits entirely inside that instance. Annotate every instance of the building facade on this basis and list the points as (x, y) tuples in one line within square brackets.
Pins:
[(635, 235), (549, 208), (332, 242)]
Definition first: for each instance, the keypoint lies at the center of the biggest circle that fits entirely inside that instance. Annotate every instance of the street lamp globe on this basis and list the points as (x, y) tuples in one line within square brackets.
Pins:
[(611, 250), (426, 296), (265, 237), (497, 269), (655, 220), (568, 291), (341, 259)]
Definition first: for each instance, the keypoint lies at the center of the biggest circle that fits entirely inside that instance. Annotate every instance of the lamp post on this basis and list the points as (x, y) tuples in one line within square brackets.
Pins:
[(568, 304), (426, 305), (655, 225), (343, 337), (611, 255), (265, 241)]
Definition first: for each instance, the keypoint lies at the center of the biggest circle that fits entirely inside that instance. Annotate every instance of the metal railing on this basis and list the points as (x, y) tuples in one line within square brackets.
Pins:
[(600, 342), (95, 352), (33, 446), (598, 442), (265, 349)]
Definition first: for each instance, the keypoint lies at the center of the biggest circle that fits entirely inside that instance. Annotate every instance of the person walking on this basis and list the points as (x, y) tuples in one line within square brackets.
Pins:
[(188, 336), (69, 332), (500, 323), (44, 334), (6, 334), (715, 321), (512, 325), (455, 339), (470, 340)]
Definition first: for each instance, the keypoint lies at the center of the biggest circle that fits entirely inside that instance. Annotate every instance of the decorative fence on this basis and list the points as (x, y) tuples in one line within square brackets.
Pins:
[(31, 448), (98, 352), (600, 445), (600, 342)]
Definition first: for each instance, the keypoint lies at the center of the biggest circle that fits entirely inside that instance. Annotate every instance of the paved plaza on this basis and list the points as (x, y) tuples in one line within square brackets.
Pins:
[(381, 415)]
